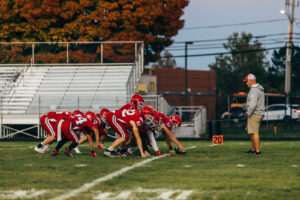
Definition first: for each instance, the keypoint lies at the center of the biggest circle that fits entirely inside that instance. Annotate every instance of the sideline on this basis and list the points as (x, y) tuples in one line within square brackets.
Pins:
[(90, 185)]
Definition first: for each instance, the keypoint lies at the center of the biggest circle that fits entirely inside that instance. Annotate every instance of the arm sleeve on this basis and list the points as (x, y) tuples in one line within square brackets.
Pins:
[(253, 103), (152, 140)]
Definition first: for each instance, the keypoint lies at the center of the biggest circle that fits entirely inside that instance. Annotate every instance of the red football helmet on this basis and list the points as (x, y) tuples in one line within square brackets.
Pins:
[(103, 114), (137, 101), (90, 116), (68, 113), (176, 120), (78, 113), (148, 115)]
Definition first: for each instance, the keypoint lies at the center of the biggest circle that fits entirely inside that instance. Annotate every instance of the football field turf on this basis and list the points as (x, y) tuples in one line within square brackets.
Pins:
[(206, 172)]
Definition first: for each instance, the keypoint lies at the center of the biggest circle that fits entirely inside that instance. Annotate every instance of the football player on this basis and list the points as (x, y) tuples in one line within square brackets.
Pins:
[(65, 129), (148, 131), (48, 122), (132, 120), (98, 127), (166, 125)]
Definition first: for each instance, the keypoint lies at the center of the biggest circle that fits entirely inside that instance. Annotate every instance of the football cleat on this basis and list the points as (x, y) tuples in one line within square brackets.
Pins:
[(77, 150), (159, 153), (54, 152), (68, 152), (94, 154), (39, 150), (250, 152), (111, 153), (100, 147), (46, 148)]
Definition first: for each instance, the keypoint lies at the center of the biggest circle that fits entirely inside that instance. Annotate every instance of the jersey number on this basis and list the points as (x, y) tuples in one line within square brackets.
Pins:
[(127, 112), (80, 120)]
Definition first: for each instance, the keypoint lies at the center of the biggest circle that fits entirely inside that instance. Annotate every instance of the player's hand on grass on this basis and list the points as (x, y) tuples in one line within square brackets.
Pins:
[(147, 154), (143, 155), (172, 152), (182, 149), (178, 150)]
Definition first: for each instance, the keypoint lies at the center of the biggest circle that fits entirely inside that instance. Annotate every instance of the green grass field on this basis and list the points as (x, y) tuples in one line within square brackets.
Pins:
[(205, 172)]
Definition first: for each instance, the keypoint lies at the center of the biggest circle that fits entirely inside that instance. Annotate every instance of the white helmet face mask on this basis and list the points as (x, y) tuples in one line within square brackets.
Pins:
[(149, 121)]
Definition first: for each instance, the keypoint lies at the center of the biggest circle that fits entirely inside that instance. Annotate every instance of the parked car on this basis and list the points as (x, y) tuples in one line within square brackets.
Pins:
[(236, 112), (277, 112)]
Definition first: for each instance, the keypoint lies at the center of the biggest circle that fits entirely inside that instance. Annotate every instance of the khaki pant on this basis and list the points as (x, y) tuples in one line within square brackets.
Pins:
[(253, 123)]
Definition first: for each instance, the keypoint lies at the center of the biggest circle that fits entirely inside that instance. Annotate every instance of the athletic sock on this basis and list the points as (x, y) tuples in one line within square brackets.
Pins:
[(73, 145)]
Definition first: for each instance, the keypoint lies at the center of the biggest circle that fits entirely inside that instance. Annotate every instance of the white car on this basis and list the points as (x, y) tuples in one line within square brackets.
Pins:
[(282, 111)]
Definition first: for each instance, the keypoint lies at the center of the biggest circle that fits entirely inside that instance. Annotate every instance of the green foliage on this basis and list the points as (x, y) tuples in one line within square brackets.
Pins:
[(231, 69), (277, 70)]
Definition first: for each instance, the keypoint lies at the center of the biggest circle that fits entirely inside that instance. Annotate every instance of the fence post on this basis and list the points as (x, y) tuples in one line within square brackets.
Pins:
[(101, 53), (67, 52), (78, 105), (32, 56), (39, 134), (1, 115)]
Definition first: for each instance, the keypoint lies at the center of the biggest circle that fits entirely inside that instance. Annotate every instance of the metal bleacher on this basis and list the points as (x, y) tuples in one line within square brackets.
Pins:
[(31, 90), (77, 87)]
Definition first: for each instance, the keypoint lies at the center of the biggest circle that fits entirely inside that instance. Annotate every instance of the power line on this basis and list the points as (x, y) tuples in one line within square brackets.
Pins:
[(237, 24), (222, 39), (199, 47), (223, 53)]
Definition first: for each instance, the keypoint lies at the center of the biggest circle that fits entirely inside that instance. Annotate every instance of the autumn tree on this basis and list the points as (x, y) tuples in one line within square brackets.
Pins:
[(153, 21)]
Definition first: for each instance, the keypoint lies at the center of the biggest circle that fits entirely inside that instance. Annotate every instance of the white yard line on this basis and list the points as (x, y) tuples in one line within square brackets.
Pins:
[(124, 195), (90, 185)]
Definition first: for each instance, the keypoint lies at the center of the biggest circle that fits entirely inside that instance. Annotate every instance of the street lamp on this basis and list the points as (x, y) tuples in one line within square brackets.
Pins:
[(186, 74)]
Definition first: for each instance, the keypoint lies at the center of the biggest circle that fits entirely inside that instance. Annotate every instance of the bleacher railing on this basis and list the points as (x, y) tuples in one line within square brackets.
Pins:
[(71, 52)]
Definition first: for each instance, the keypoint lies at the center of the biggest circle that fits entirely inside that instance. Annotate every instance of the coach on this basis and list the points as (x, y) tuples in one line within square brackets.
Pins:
[(255, 111)]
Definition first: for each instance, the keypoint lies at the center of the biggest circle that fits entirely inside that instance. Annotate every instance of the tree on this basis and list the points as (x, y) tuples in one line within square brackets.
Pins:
[(245, 57), (153, 21), (277, 70), (167, 61)]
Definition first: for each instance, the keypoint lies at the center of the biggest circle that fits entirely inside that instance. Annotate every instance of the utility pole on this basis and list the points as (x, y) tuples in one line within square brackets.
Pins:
[(289, 45), (186, 74)]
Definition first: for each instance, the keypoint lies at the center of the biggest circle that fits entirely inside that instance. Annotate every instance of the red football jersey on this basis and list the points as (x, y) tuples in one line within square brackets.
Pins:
[(125, 116), (56, 116), (80, 122), (128, 106), (168, 123)]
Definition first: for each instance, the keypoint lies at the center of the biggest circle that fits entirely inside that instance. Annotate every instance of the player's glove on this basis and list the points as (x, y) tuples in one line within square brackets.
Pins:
[(159, 153), (178, 151)]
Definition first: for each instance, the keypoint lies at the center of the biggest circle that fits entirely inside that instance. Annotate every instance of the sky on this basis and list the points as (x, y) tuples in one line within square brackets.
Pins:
[(201, 13)]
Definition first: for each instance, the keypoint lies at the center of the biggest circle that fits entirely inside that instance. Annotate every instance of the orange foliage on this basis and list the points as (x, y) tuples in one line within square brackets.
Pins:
[(153, 21)]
